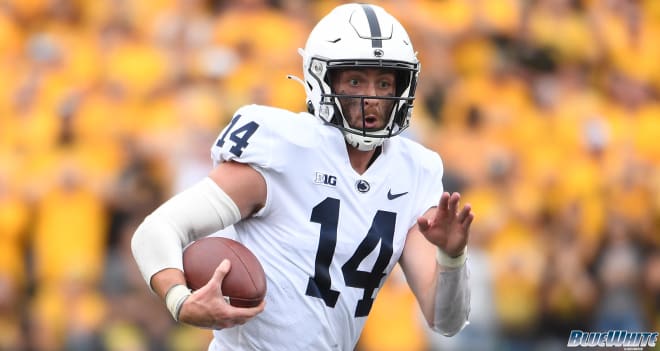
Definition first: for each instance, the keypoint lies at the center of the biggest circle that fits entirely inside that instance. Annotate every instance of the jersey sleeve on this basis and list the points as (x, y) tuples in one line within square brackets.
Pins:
[(248, 138), (264, 137)]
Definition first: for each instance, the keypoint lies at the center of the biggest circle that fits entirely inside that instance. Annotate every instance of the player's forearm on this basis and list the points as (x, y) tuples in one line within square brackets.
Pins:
[(452, 296), (162, 281), (170, 285)]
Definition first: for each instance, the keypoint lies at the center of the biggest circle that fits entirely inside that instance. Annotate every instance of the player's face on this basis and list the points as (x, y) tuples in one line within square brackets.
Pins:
[(365, 81)]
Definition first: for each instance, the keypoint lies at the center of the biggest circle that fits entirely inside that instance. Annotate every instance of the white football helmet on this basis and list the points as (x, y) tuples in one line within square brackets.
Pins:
[(359, 36)]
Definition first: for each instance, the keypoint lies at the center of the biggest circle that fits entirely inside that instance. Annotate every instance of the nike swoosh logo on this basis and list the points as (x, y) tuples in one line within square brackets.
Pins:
[(391, 196)]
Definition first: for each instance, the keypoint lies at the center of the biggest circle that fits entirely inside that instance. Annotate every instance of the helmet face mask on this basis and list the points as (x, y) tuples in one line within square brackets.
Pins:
[(356, 36)]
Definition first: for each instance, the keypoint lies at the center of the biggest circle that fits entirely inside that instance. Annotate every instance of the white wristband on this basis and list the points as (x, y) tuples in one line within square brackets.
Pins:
[(451, 262), (174, 299)]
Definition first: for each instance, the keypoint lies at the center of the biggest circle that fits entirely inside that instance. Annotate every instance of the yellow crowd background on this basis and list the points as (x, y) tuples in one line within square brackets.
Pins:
[(546, 114)]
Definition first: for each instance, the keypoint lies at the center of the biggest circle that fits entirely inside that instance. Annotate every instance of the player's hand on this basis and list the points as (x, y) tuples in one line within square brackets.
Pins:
[(446, 226), (207, 308)]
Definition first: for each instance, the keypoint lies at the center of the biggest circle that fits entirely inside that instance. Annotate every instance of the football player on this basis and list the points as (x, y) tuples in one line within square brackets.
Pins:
[(329, 200)]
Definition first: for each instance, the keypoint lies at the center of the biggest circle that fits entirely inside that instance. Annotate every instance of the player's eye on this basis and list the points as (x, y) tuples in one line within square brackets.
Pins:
[(384, 84), (354, 82)]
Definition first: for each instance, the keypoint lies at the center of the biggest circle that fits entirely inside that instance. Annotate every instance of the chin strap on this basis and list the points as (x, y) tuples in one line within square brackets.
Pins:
[(358, 141), (452, 295)]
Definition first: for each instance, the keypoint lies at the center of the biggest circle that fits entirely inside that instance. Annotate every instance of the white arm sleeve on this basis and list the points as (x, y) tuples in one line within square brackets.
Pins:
[(196, 212), (452, 301)]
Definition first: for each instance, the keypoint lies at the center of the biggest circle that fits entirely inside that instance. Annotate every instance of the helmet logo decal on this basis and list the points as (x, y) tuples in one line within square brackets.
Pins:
[(374, 26), (362, 186), (379, 53)]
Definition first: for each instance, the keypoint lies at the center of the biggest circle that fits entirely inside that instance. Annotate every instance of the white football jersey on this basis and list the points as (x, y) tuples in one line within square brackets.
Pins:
[(327, 236)]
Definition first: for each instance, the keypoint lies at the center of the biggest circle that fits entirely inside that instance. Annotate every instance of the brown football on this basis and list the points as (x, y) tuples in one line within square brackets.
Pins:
[(244, 285)]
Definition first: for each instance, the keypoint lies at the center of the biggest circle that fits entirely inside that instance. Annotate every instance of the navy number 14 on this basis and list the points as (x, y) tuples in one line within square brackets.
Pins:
[(239, 136), (326, 213)]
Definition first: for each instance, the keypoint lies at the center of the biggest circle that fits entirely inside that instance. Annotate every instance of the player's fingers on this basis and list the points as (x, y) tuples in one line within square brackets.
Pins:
[(468, 222), (237, 316), (453, 203), (423, 224), (248, 312), (220, 273), (444, 201), (464, 213), (236, 321), (259, 308)]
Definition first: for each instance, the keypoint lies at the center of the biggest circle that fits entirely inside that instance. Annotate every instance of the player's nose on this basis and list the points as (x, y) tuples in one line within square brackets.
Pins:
[(371, 90)]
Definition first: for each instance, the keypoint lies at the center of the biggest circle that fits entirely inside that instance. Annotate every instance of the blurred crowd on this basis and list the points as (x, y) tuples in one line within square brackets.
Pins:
[(546, 114)]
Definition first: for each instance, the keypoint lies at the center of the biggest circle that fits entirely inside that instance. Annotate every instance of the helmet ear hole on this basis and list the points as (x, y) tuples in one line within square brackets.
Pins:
[(310, 107)]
